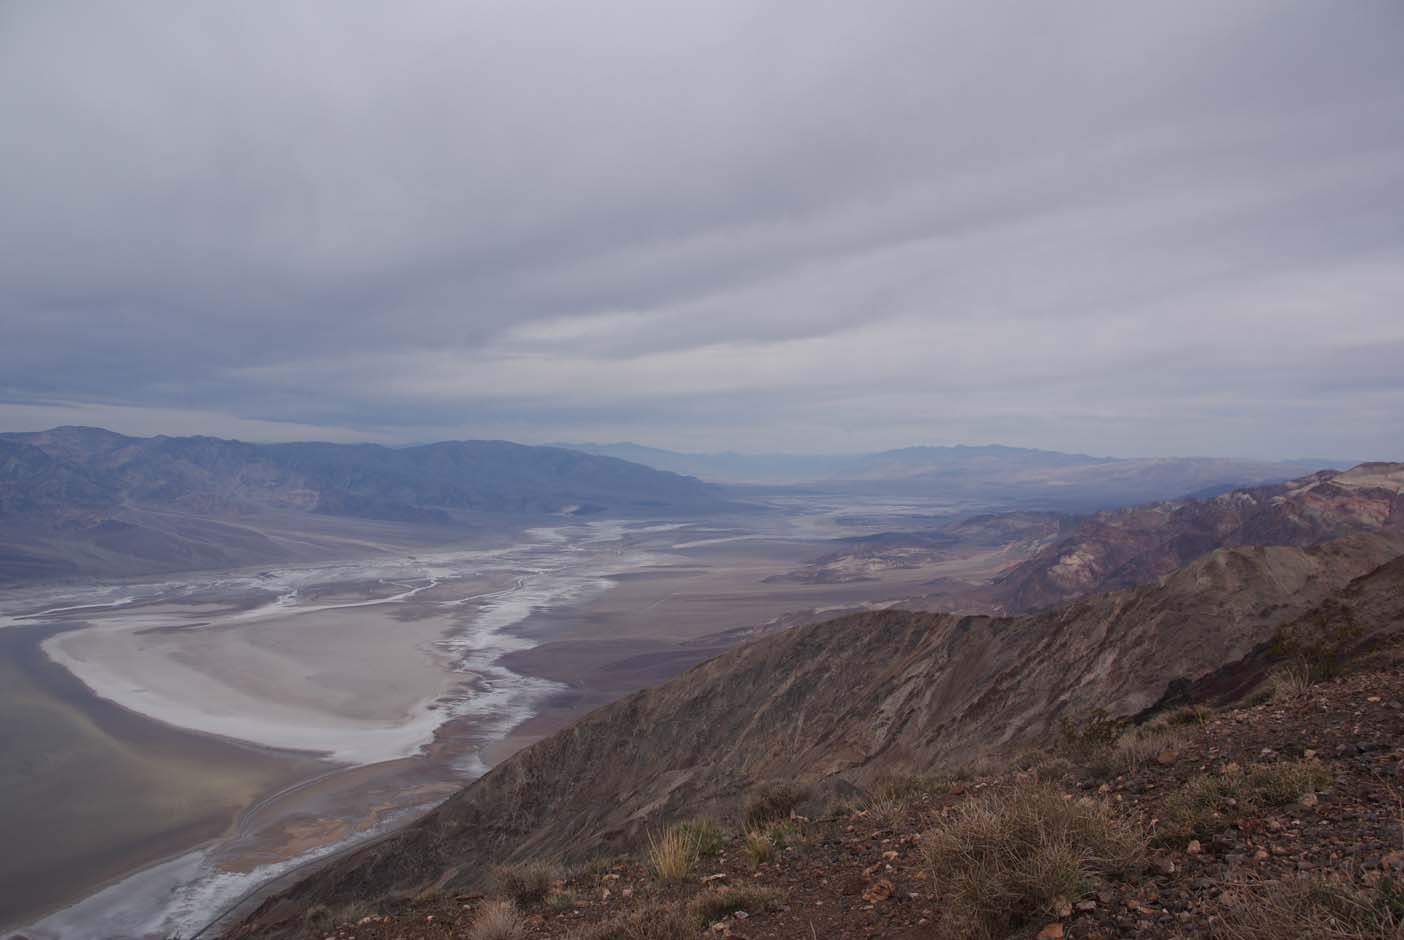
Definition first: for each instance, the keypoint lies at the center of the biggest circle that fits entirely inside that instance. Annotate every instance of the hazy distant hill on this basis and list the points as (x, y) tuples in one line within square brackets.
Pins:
[(991, 473), (1126, 547), (86, 499)]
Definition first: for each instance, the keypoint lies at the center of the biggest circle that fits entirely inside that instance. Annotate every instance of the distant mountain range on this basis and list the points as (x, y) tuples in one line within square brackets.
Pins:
[(1010, 476), (1127, 547), (75, 500)]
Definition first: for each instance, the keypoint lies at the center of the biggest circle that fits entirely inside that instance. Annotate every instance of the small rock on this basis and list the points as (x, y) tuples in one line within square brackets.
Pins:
[(889, 855), (1053, 931), (1194, 848), (1088, 905), (719, 876), (1309, 800)]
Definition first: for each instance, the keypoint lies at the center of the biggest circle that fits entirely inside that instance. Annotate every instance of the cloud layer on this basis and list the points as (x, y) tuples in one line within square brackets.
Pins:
[(1108, 227)]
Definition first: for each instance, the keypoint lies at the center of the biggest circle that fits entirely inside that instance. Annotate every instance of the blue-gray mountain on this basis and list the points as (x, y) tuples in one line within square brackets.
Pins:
[(86, 500)]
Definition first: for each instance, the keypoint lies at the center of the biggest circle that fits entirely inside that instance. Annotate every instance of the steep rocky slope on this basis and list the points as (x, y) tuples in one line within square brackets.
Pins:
[(1112, 550), (842, 702), (859, 868)]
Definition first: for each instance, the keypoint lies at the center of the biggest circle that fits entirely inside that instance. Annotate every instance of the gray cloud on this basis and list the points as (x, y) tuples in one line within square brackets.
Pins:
[(1125, 228)]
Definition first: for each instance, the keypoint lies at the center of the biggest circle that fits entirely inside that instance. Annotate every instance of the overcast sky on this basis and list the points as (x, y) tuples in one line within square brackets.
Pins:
[(1122, 228)]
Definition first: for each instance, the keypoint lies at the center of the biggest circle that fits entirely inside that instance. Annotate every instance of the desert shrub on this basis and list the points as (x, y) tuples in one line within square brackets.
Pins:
[(713, 905), (1093, 732), (758, 846), (773, 801), (1317, 908), (498, 920), (706, 834), (671, 854), (526, 883), (1003, 859), (647, 922)]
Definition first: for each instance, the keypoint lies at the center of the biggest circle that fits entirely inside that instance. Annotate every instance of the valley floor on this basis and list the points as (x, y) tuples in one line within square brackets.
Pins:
[(1271, 820)]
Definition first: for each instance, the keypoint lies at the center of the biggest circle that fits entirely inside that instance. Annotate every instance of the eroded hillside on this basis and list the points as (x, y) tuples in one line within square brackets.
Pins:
[(841, 703)]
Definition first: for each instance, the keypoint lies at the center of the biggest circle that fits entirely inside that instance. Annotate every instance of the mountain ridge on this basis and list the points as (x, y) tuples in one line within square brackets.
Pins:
[(77, 499), (841, 702)]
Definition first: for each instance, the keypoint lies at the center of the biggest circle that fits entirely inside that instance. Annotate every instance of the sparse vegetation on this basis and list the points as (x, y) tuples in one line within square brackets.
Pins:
[(498, 919), (1095, 733), (1317, 908), (707, 835), (911, 787), (563, 900), (773, 801), (721, 902), (1188, 715), (647, 922), (672, 854), (320, 918), (1203, 803), (1289, 683), (758, 846), (527, 883), (1005, 858), (887, 810), (1284, 782)]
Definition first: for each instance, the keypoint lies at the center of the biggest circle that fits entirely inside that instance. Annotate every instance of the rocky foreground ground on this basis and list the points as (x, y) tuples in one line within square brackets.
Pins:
[(1278, 819)]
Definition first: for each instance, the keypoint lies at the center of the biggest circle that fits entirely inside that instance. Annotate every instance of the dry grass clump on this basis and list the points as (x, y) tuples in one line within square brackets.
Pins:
[(563, 900), (1289, 683), (498, 920), (888, 810), (647, 922), (706, 834), (1003, 860), (911, 787), (1188, 715), (1285, 781), (713, 905), (672, 854), (526, 883), (1201, 806), (773, 801), (758, 846), (1041, 763), (1315, 908)]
